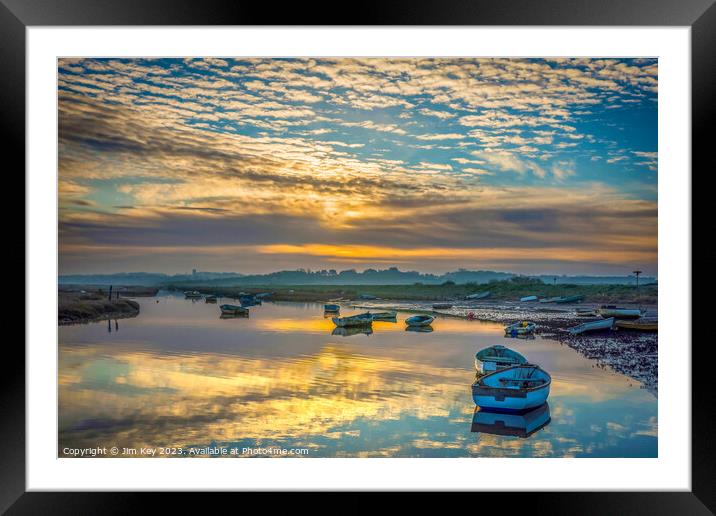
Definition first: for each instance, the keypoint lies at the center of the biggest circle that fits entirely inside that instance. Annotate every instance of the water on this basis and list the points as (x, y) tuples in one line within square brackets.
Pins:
[(179, 376)]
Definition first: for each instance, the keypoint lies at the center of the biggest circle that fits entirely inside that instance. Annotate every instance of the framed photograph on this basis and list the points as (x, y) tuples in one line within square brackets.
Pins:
[(423, 251)]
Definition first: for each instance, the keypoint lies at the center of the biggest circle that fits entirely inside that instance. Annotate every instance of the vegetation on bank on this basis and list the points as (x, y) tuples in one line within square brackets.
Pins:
[(76, 307), (504, 290)]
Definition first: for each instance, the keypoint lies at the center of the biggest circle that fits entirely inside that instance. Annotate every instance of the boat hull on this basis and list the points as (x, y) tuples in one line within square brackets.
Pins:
[(233, 310), (637, 326), (345, 322), (419, 320), (509, 400), (605, 324), (385, 316), (518, 329)]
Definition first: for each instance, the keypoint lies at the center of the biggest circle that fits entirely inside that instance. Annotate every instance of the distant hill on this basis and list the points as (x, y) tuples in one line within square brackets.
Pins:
[(391, 276)]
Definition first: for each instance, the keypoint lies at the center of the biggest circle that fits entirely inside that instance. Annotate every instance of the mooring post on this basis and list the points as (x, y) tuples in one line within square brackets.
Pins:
[(110, 292)]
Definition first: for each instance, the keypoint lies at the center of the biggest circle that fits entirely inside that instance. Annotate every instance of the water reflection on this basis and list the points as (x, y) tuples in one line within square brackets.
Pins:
[(515, 425), (352, 330), (178, 376), (419, 329)]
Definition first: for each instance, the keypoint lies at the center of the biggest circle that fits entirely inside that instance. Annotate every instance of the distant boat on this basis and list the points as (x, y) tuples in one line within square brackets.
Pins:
[(233, 310), (384, 316), (442, 306), (367, 296), (586, 312), (638, 325), (331, 308), (351, 330), (478, 295), (263, 295), (419, 320), (210, 299), (570, 299), (249, 300), (607, 311), (604, 324), (520, 328), (511, 425), (354, 320), (549, 299), (192, 294), (497, 357), (513, 389), (419, 329), (528, 298)]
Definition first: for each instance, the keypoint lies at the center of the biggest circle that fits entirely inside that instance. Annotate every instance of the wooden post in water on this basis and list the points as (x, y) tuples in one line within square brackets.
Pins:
[(637, 278), (110, 292)]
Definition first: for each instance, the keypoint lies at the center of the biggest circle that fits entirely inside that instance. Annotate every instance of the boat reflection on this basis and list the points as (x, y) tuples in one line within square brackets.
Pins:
[(512, 425), (237, 315), (347, 331), (419, 329), (528, 336)]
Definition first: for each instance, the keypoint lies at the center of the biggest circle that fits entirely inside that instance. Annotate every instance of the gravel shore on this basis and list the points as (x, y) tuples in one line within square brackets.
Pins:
[(631, 353)]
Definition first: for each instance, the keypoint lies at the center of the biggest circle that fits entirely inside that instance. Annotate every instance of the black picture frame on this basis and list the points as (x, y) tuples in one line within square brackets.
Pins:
[(17, 15)]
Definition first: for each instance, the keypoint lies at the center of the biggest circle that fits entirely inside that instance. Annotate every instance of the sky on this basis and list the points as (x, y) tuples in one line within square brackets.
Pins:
[(256, 165)]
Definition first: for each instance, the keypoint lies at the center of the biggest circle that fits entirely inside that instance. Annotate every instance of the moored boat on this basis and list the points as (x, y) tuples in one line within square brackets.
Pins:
[(638, 325), (478, 295), (570, 299), (527, 299), (549, 299), (210, 299), (233, 310), (604, 324), (512, 425), (520, 328), (189, 294), (419, 320), (607, 311), (384, 316), (331, 308), (586, 312), (497, 357), (512, 389), (354, 320), (442, 306)]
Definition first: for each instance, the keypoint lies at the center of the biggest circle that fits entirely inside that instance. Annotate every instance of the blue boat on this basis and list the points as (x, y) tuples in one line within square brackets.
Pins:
[(331, 308), (520, 328), (419, 320), (497, 357), (513, 389), (511, 425), (478, 295)]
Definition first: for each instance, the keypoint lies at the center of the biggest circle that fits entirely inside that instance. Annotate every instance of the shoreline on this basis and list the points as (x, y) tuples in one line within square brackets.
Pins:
[(87, 307)]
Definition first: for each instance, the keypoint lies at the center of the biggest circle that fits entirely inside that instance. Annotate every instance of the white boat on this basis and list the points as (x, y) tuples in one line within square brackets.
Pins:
[(478, 295), (604, 324), (497, 357), (419, 320), (607, 311), (512, 425), (513, 389), (233, 310), (353, 320), (192, 294), (520, 328), (586, 312), (527, 299)]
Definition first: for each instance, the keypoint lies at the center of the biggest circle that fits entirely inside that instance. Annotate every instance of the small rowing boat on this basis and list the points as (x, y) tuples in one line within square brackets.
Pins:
[(586, 312), (638, 325), (570, 299), (233, 310), (442, 306), (354, 320), (549, 299), (605, 324), (419, 320), (192, 294), (210, 299), (513, 389), (384, 316), (331, 308), (520, 328), (497, 357), (478, 295), (607, 311), (527, 299)]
